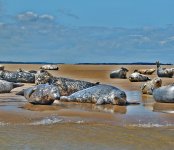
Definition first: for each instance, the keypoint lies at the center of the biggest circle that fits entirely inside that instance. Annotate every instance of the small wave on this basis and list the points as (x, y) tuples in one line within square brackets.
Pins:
[(3, 124), (46, 121), (151, 125)]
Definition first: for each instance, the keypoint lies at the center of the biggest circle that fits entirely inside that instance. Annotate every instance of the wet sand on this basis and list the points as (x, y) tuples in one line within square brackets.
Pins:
[(149, 125)]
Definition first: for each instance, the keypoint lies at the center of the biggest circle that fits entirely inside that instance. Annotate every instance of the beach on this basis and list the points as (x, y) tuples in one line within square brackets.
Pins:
[(64, 125)]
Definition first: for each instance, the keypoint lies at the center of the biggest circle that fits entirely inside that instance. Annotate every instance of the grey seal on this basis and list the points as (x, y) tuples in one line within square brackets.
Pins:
[(120, 73), (164, 72), (99, 94), (6, 87), (43, 94), (145, 71), (137, 77), (164, 94), (49, 67), (68, 86), (148, 87), (17, 76)]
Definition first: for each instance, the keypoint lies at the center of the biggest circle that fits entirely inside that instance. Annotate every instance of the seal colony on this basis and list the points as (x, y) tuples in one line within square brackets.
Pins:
[(49, 88)]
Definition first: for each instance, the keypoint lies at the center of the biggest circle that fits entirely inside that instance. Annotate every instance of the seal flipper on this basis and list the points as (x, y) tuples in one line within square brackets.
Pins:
[(15, 85), (100, 101), (20, 93)]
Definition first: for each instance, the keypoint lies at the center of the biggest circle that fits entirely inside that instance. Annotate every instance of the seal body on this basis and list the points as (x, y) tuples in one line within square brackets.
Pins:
[(68, 86), (164, 94), (43, 94), (148, 87), (99, 94), (164, 72), (17, 76), (137, 77), (6, 87), (121, 73), (49, 67), (145, 71)]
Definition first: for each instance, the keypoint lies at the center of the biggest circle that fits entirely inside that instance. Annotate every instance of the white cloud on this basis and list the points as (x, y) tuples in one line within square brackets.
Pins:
[(32, 17)]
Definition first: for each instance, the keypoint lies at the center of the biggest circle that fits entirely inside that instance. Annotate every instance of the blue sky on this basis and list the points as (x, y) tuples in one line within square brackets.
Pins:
[(73, 31)]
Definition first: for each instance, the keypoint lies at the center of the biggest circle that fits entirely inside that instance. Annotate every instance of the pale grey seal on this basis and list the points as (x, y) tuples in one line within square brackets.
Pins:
[(120, 73), (49, 67), (164, 72), (99, 94), (145, 71), (17, 76), (164, 94), (43, 94), (148, 87), (137, 77), (6, 87)]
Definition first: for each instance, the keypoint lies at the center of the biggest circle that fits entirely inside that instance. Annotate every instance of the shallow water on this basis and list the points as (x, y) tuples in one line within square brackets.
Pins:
[(87, 126)]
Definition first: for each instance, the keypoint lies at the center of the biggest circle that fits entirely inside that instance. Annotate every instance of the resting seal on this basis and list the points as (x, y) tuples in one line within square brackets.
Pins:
[(145, 71), (43, 76), (49, 67), (137, 77), (17, 76), (148, 87), (163, 72), (164, 94), (42, 94), (6, 87), (68, 86), (1, 67), (121, 73), (99, 94)]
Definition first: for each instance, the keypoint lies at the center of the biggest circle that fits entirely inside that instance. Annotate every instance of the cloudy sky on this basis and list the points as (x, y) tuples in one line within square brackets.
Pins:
[(92, 31)]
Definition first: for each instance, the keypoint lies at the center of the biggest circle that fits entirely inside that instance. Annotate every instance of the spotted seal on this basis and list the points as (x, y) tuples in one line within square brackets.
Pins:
[(17, 76), (145, 71), (148, 87), (99, 94), (120, 73), (49, 67), (164, 72), (43, 94), (164, 94), (6, 87), (137, 77)]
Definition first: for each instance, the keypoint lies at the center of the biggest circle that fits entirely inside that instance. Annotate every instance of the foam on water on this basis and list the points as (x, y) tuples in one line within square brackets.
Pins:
[(47, 121), (151, 125)]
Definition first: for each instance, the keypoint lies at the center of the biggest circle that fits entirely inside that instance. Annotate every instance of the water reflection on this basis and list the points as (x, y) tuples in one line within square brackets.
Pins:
[(163, 107)]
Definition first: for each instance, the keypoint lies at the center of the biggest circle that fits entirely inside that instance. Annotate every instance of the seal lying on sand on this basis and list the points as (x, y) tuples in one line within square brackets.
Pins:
[(6, 87), (17, 76), (163, 72), (99, 94), (121, 73), (148, 87), (1, 67), (43, 94), (164, 94), (43, 76), (145, 71), (137, 77), (68, 86), (49, 67)]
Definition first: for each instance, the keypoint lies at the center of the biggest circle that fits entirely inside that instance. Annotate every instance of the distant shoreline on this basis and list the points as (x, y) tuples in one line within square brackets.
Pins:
[(136, 63)]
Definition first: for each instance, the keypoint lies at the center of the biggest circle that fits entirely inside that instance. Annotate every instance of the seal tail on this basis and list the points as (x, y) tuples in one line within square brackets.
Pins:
[(20, 93), (64, 98), (133, 103), (15, 85)]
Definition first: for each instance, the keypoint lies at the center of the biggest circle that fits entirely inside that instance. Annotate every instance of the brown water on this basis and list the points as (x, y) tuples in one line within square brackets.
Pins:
[(76, 126)]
